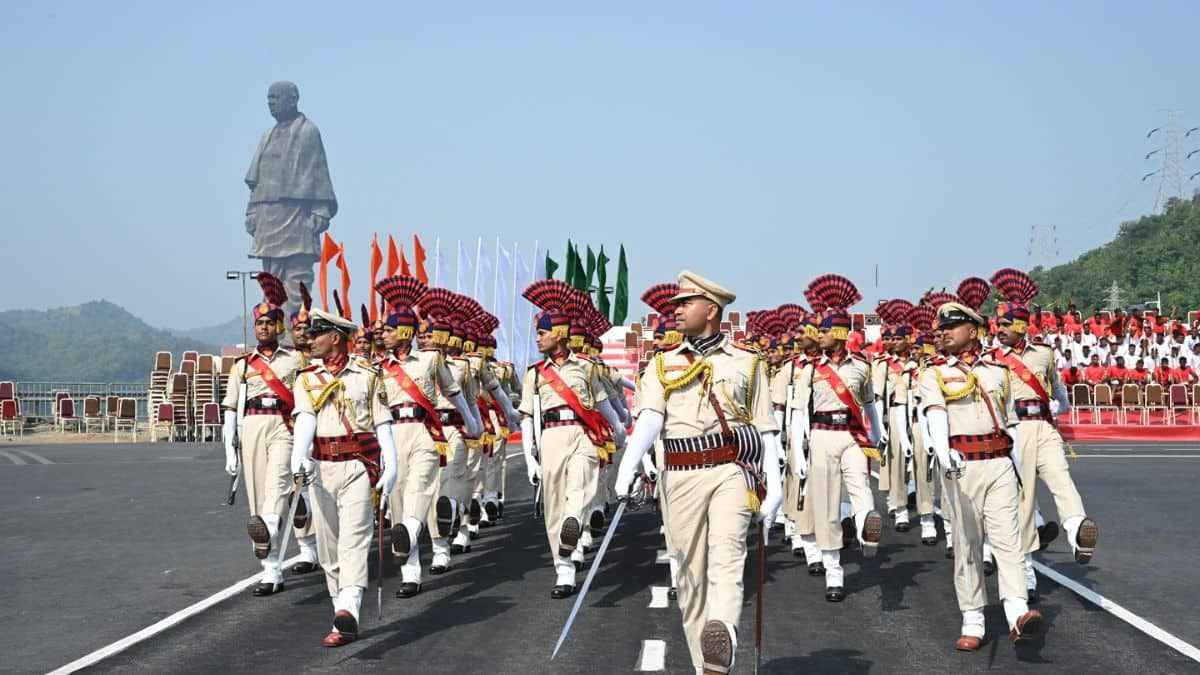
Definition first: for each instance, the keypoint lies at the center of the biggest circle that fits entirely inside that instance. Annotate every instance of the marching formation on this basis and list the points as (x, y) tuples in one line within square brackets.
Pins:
[(388, 428)]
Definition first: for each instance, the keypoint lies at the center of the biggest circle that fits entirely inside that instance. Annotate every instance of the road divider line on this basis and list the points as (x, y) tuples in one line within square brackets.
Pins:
[(1118, 611), (653, 656), (169, 622), (34, 456), (659, 598), (13, 458)]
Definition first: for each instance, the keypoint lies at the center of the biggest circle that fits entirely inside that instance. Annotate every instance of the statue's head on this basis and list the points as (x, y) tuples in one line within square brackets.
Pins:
[(282, 99)]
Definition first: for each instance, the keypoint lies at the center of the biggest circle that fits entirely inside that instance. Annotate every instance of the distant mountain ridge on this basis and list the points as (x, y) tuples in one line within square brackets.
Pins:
[(94, 342), (225, 334)]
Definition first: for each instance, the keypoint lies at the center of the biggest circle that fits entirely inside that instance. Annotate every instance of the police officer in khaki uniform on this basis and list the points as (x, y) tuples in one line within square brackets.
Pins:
[(491, 398), (972, 421), (1040, 397), (709, 402), (564, 390), (411, 380), (833, 410), (888, 377), (921, 349), (266, 436), (342, 422)]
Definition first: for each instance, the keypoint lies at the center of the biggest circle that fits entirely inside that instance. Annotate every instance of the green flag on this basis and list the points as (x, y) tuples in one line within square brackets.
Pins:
[(590, 271), (601, 280), (621, 296), (569, 264), (580, 279), (551, 266)]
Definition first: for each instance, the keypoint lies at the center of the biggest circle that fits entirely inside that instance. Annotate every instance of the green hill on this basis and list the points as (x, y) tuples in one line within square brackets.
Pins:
[(92, 342), (1151, 255), (228, 333)]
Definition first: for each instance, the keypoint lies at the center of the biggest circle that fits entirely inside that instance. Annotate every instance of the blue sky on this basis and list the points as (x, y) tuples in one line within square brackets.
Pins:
[(759, 143)]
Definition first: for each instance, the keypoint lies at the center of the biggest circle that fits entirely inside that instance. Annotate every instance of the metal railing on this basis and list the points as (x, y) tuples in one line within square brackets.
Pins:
[(37, 398)]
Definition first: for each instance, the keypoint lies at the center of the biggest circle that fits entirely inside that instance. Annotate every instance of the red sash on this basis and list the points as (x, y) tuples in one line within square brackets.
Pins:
[(277, 387), (433, 421), (594, 424), (488, 439), (1018, 366), (858, 428)]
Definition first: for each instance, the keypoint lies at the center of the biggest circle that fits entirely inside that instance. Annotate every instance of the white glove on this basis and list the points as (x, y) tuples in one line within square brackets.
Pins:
[(302, 439), (799, 442), (648, 468), (906, 445), (230, 430), (618, 430), (957, 462), (770, 504), (939, 438), (649, 425), (875, 412), (387, 453), (1054, 407), (471, 422), (527, 442)]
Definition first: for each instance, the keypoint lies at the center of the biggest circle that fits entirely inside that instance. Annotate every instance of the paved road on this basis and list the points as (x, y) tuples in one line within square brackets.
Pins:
[(107, 539)]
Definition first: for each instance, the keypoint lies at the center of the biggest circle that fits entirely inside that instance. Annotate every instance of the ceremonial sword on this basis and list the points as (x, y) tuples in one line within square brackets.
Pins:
[(237, 438), (587, 582), (299, 479)]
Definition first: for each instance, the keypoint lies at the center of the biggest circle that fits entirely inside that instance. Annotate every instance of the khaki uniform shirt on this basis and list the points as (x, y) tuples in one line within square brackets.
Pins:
[(355, 394), (969, 415), (426, 368), (789, 374), (855, 373), (578, 374), (884, 378), (738, 380), (1040, 361), (464, 376), (285, 363)]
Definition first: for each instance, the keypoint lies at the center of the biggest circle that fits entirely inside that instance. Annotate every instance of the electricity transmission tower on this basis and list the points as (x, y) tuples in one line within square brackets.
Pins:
[(1114, 296), (1170, 174), (1043, 246)]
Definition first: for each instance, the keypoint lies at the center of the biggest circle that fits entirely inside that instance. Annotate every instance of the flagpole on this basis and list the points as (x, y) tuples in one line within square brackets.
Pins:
[(529, 321), (512, 316), (458, 268), (478, 253), (437, 258)]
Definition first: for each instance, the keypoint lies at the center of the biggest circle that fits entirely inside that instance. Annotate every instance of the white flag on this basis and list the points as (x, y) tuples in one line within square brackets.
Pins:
[(441, 271), (463, 283), (524, 340), (503, 301), (483, 278)]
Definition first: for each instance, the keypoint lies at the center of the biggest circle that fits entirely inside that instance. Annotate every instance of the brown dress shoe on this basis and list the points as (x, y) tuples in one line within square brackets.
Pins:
[(345, 630), (260, 535), (716, 647), (1086, 539), (872, 531), (1030, 624), (968, 643)]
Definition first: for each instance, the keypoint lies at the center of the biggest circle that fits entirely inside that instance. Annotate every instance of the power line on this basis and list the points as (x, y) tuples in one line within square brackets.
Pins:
[(1170, 173)]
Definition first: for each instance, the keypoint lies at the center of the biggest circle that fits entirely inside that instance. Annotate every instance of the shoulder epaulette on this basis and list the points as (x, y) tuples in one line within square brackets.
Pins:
[(746, 348), (310, 368), (860, 356)]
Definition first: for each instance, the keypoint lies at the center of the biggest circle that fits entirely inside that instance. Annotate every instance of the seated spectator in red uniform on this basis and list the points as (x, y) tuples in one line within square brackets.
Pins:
[(1139, 374), (1096, 323), (1117, 374), (1094, 373), (1162, 374), (1071, 376), (1184, 373)]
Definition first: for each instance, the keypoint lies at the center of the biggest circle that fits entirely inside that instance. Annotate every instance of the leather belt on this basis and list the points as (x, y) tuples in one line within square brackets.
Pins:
[(451, 417), (341, 449), (975, 447), (266, 405), (1032, 409), (560, 416), (405, 413), (832, 420), (701, 459)]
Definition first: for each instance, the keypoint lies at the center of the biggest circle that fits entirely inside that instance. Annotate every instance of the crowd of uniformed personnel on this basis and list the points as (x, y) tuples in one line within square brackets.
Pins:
[(402, 424)]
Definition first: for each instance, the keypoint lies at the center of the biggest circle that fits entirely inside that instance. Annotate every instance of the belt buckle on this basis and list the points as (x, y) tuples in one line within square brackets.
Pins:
[(406, 413), (707, 458), (335, 448), (268, 402), (444, 418), (839, 418), (1035, 409), (566, 415)]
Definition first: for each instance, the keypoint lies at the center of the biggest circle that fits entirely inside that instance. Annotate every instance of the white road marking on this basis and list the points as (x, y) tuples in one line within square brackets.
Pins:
[(514, 454), (156, 628), (659, 598), (13, 458), (1120, 612), (34, 456), (653, 657), (661, 558)]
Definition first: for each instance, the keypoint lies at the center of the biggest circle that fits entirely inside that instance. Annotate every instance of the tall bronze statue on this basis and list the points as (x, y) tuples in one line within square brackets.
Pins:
[(291, 196)]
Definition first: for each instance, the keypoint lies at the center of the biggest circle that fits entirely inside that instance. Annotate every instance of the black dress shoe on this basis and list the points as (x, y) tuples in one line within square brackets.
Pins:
[(848, 532), (472, 535), (459, 549), (260, 535), (1085, 539), (304, 567), (473, 512), (596, 524), (672, 592), (408, 589), (445, 516), (438, 569), (799, 553), (301, 518), (929, 541), (500, 509), (912, 500), (1046, 534), (568, 536), (264, 588), (835, 594), (1032, 595), (989, 568), (401, 543), (816, 569), (492, 511), (950, 553), (562, 591), (903, 527)]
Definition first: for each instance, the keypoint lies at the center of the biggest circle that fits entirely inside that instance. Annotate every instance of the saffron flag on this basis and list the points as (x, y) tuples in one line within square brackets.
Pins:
[(419, 260), (376, 263)]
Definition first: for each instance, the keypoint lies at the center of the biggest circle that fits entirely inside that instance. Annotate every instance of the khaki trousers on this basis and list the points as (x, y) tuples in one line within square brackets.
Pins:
[(417, 470), (921, 461), (493, 468), (891, 477), (452, 483), (1042, 456), (570, 476), (709, 514), (988, 490), (835, 458), (266, 463), (343, 512)]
